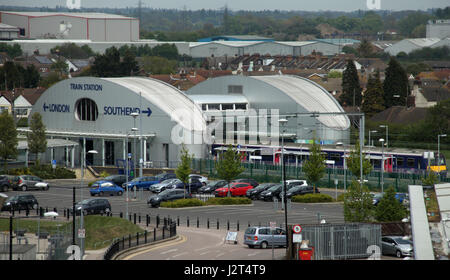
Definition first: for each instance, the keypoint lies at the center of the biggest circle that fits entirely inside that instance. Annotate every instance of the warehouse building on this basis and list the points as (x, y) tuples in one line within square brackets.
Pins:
[(409, 45), (100, 114), (79, 26)]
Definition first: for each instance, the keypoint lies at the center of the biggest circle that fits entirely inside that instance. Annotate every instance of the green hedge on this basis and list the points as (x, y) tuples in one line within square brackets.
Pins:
[(312, 198), (180, 203), (228, 201), (44, 172)]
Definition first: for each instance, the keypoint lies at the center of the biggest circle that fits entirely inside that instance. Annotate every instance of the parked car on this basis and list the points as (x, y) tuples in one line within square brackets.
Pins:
[(236, 189), (20, 202), (164, 185), (401, 197), (212, 186), (167, 195), (295, 183), (253, 193), (193, 186), (146, 181), (300, 190), (30, 182), (101, 188), (274, 192), (246, 180), (264, 237), (5, 183), (92, 206), (396, 245), (117, 179), (202, 179)]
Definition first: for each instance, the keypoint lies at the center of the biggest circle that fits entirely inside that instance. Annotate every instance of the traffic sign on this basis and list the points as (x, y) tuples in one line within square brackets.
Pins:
[(297, 229), (273, 225), (81, 233)]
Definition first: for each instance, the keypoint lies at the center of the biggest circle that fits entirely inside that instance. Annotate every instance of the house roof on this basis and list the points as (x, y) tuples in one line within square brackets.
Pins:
[(400, 115)]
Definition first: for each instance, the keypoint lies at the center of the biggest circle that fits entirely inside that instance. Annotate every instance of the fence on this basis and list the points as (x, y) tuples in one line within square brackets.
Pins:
[(167, 231), (263, 172), (343, 241)]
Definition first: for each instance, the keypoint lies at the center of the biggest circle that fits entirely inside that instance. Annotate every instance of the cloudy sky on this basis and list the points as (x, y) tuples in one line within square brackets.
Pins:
[(305, 5)]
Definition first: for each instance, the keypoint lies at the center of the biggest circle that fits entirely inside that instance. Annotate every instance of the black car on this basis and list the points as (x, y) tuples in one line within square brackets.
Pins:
[(5, 183), (253, 193), (93, 206), (167, 195), (300, 190), (193, 186), (212, 186), (164, 176), (117, 179), (248, 180), (20, 202), (273, 192)]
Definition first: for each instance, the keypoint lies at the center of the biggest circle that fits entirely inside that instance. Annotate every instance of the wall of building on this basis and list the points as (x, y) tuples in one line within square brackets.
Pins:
[(438, 30), (324, 48)]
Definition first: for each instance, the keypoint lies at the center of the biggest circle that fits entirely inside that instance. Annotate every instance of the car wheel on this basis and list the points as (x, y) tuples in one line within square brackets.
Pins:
[(264, 245), (100, 194), (35, 206), (251, 246), (120, 193), (399, 254), (107, 210), (24, 188), (85, 212), (47, 187)]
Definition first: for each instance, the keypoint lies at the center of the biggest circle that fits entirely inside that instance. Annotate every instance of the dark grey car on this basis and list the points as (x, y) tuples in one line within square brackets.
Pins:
[(20, 202), (30, 182), (93, 206)]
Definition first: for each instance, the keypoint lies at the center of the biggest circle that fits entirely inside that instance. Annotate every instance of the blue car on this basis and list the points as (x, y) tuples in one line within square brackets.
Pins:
[(401, 197), (194, 185), (101, 188), (147, 181)]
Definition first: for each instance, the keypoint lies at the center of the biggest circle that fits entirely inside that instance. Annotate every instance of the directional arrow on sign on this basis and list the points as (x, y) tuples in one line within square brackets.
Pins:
[(45, 107), (148, 112)]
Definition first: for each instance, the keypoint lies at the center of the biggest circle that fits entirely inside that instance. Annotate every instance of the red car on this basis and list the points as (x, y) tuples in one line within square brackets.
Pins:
[(237, 189)]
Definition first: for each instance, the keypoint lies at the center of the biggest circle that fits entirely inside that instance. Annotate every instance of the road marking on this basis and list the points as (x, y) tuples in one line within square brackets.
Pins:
[(182, 240), (168, 251), (178, 255), (253, 254)]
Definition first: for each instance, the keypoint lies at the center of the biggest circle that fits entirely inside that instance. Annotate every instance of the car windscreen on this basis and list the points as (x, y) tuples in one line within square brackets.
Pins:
[(295, 188), (263, 186), (250, 231), (274, 188), (13, 198), (165, 192), (402, 241), (85, 202)]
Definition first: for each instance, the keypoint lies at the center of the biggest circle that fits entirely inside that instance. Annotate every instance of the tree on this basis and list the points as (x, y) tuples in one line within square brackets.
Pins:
[(158, 65), (129, 64), (354, 162), (229, 166), (184, 169), (395, 84), (389, 209), (351, 89), (365, 49), (314, 167), (60, 67), (107, 64), (37, 142), (358, 206), (8, 136), (373, 101)]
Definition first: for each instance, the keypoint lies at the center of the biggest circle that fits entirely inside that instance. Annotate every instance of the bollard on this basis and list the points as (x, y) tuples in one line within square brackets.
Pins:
[(237, 225), (207, 223), (228, 224), (248, 223), (217, 223), (163, 233), (129, 217), (55, 210), (134, 218), (157, 221), (154, 234), (121, 215), (46, 209), (187, 221), (27, 213), (145, 236), (129, 241), (146, 222), (137, 239), (139, 218), (198, 223), (178, 220)]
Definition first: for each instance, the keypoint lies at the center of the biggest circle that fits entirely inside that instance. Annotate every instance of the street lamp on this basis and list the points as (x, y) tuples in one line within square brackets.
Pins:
[(439, 155), (387, 134), (371, 131), (135, 115), (81, 196), (134, 129), (382, 163), (283, 122)]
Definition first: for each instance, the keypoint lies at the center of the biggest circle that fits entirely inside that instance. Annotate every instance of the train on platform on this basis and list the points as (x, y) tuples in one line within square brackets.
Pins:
[(398, 160)]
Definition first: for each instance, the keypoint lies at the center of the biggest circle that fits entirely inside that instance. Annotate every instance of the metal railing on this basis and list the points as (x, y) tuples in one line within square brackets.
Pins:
[(131, 241)]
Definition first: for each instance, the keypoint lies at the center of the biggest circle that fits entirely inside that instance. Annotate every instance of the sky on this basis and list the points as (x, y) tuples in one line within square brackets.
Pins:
[(257, 5)]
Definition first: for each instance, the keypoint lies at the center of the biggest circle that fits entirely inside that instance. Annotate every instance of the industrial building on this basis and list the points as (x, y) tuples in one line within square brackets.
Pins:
[(438, 28), (151, 120), (409, 45), (79, 26), (8, 32)]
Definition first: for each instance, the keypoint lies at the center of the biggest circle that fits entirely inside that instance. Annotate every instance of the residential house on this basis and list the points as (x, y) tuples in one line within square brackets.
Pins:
[(23, 98)]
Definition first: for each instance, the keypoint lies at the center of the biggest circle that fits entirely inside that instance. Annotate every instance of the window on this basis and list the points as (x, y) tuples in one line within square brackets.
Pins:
[(213, 106), (411, 162), (86, 110), (240, 106), (264, 231), (400, 162), (227, 106), (234, 89), (204, 107)]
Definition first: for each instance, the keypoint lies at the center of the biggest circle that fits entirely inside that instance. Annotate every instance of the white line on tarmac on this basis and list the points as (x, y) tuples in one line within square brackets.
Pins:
[(168, 251)]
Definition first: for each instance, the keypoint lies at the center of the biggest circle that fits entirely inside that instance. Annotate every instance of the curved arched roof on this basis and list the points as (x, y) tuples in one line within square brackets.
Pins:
[(168, 98), (311, 96)]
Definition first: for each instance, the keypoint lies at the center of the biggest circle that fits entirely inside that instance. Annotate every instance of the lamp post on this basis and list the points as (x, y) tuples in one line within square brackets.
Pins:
[(127, 172), (371, 131), (382, 164), (283, 123), (134, 115), (81, 195), (439, 155), (387, 134)]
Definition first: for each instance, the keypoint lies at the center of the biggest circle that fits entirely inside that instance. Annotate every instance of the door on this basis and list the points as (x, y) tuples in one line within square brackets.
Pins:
[(265, 234), (109, 153), (89, 147)]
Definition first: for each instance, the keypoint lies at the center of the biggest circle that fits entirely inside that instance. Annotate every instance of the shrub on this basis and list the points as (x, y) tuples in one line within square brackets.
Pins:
[(104, 174), (45, 172), (228, 201), (180, 203), (312, 198)]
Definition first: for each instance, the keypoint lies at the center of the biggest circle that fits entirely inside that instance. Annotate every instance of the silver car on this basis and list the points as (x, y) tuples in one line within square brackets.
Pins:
[(264, 237), (30, 182), (164, 185), (396, 245)]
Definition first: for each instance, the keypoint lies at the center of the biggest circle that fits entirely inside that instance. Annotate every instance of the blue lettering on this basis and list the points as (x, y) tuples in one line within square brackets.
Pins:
[(92, 87), (58, 108), (119, 111)]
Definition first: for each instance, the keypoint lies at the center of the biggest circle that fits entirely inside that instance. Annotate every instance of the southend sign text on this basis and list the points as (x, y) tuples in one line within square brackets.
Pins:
[(91, 87), (124, 111)]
